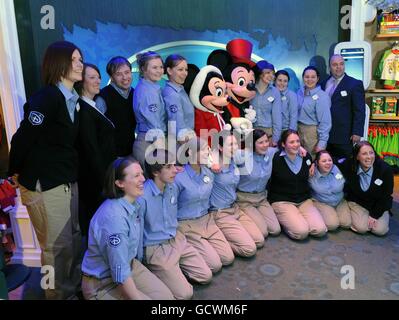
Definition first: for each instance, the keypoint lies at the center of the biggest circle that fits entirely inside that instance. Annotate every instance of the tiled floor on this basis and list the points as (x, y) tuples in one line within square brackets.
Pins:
[(374, 287), (309, 269)]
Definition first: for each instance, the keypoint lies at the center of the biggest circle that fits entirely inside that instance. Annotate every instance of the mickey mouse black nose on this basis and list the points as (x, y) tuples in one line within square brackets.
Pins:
[(251, 86)]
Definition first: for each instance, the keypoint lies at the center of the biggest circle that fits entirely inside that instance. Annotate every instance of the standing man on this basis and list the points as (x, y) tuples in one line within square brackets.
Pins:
[(116, 102), (347, 109)]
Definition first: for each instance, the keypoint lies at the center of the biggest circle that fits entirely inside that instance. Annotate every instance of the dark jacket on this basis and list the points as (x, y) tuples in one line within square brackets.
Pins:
[(43, 148), (347, 110), (96, 146), (378, 198), (284, 185), (120, 112)]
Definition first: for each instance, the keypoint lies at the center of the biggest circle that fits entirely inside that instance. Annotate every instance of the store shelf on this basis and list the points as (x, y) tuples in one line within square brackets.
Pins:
[(386, 35), (395, 91), (384, 119)]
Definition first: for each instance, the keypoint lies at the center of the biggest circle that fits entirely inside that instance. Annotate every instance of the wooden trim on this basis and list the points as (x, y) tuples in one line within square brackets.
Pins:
[(394, 91), (386, 35)]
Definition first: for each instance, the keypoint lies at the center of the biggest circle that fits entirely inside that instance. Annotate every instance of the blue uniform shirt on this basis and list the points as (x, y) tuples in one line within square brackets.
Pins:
[(328, 189), (71, 99), (255, 180), (194, 192), (160, 213), (289, 110), (268, 110), (314, 109), (294, 165), (178, 107), (101, 104), (149, 107), (115, 239), (224, 193), (365, 178)]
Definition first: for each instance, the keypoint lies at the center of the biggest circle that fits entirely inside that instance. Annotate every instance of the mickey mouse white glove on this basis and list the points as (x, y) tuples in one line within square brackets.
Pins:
[(242, 125), (250, 114), (227, 127)]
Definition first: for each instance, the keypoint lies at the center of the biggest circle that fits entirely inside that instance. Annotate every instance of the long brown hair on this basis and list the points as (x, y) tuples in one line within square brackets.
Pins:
[(355, 151), (57, 61), (116, 171), (79, 85)]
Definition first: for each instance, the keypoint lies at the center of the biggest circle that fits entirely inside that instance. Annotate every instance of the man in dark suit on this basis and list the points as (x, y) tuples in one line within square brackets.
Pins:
[(347, 109)]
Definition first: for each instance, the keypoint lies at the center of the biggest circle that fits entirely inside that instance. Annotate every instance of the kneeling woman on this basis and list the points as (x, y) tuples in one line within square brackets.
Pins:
[(251, 193), (111, 266), (167, 252), (195, 185), (368, 190), (327, 186), (289, 191), (240, 231)]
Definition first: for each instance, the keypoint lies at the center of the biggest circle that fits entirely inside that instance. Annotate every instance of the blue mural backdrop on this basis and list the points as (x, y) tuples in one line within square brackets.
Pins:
[(289, 34), (127, 41)]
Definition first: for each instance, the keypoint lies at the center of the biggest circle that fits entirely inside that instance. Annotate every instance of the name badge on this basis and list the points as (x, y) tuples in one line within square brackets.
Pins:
[(338, 176), (315, 97), (283, 98), (308, 162), (270, 99), (378, 182), (344, 93), (206, 179)]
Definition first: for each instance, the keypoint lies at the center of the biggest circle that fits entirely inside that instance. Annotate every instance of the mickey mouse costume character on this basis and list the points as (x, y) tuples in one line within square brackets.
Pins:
[(237, 68), (207, 92)]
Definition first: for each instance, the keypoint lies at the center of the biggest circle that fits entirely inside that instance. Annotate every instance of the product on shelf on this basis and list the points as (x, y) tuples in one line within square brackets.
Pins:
[(390, 106), (388, 23), (377, 106)]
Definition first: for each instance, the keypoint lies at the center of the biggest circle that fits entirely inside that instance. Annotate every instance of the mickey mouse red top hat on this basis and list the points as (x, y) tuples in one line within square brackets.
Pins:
[(240, 51)]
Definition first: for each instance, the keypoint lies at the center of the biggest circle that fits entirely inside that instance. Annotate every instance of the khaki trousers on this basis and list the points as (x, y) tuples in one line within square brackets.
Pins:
[(335, 216), (256, 206), (300, 219), (147, 284), (360, 217), (172, 260), (309, 138), (205, 236), (235, 224), (54, 216)]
